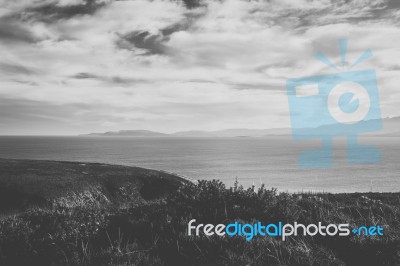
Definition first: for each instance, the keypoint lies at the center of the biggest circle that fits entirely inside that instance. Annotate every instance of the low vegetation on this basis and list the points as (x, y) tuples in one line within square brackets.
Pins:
[(153, 230), (26, 184)]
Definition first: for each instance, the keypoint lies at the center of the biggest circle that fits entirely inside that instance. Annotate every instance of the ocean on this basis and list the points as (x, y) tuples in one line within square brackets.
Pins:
[(253, 161)]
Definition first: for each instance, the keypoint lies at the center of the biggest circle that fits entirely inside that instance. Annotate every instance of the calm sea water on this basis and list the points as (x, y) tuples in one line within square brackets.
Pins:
[(272, 160)]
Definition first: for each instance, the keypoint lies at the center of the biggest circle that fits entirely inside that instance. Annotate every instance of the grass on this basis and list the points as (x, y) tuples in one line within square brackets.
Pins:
[(137, 226), (28, 183)]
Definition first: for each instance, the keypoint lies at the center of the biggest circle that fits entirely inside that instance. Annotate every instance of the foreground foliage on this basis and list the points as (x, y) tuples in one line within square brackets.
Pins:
[(155, 232)]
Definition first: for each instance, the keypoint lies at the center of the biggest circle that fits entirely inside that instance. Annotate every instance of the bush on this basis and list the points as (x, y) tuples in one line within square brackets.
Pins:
[(154, 233)]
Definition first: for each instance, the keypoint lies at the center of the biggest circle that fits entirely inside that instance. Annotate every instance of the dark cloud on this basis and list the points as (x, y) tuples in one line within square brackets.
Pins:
[(155, 43), (339, 11), (84, 75), (192, 3), (174, 28), (11, 30), (14, 27), (51, 11), (152, 44), (113, 80)]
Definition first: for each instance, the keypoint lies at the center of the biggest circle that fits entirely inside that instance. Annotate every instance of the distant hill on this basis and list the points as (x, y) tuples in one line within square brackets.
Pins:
[(129, 133), (391, 127), (238, 132)]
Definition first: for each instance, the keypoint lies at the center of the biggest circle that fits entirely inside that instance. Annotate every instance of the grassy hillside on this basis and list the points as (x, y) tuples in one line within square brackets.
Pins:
[(28, 183), (145, 225)]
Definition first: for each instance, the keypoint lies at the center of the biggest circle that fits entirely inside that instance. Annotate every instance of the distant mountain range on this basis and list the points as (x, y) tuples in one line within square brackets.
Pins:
[(240, 132), (129, 133), (236, 132), (391, 127)]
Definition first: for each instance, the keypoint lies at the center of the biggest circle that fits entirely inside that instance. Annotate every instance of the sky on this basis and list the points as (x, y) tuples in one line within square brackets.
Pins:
[(78, 66)]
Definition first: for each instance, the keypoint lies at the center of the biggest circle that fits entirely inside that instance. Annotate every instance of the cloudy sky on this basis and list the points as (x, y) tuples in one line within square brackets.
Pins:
[(80, 66)]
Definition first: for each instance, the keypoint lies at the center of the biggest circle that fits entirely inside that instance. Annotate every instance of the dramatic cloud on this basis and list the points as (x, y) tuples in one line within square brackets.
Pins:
[(75, 66)]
